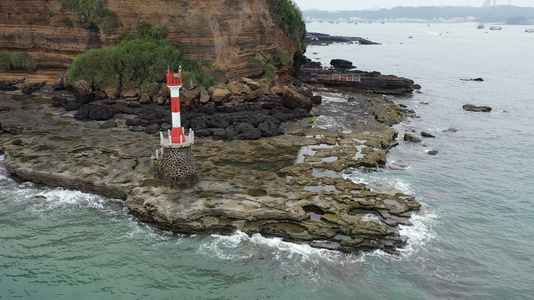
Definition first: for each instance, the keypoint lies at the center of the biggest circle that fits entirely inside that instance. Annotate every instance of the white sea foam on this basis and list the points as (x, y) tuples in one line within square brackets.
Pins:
[(420, 232), (224, 247)]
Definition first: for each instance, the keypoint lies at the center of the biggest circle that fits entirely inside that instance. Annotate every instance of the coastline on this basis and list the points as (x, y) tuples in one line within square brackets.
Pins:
[(249, 185)]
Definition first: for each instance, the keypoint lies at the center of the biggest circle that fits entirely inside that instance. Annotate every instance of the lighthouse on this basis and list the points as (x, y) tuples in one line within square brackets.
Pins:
[(174, 163), (176, 137)]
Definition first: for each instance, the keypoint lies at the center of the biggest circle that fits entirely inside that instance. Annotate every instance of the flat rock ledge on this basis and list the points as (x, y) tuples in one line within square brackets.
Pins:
[(290, 186)]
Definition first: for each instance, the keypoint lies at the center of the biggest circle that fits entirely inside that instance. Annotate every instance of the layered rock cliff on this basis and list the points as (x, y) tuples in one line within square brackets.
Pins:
[(226, 33)]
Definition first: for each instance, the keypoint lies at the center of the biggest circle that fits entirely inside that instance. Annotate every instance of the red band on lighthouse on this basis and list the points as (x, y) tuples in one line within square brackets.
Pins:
[(175, 104)]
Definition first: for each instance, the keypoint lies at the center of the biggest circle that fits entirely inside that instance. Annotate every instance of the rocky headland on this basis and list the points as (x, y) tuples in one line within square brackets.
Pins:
[(291, 184), (270, 156)]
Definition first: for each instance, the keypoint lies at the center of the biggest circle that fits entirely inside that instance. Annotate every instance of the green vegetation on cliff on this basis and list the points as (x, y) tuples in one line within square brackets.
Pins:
[(288, 16), (140, 62), (104, 18), (17, 61)]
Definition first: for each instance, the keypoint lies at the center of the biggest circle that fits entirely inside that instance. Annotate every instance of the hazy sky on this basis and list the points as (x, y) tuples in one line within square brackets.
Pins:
[(370, 4)]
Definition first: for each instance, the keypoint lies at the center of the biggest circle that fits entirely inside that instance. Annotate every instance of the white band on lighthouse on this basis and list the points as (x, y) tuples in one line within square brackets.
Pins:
[(176, 119)]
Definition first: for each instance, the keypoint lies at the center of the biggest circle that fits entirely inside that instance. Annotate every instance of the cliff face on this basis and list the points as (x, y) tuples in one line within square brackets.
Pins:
[(224, 32)]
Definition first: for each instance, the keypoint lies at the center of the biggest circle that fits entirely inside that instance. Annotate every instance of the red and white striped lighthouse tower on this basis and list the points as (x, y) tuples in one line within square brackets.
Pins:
[(176, 137), (174, 163)]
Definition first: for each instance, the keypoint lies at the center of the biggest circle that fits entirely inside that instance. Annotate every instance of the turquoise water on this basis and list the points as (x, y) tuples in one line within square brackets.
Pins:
[(475, 242)]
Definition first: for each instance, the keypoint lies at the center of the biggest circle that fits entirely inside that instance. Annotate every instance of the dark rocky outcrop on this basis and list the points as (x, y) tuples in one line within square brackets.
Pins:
[(315, 38), (473, 79), (471, 107), (30, 88), (94, 112), (10, 85), (357, 81), (411, 138), (342, 64), (293, 99), (427, 135)]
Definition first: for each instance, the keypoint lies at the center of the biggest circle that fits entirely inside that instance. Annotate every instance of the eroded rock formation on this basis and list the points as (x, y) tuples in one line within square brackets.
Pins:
[(224, 32)]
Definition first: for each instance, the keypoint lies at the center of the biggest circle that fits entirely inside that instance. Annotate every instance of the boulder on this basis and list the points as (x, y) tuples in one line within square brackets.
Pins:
[(257, 94), (220, 121), (473, 79), (312, 64), (432, 152), (94, 112), (189, 99), (268, 128), (82, 91), (72, 105), (204, 97), (341, 64), (113, 91), (7, 86), (189, 84), (248, 131), (30, 88), (292, 99), (60, 82), (411, 138), (253, 85), (133, 122), (218, 94), (305, 91), (152, 128), (427, 135), (145, 98), (238, 87), (317, 100), (59, 101), (129, 93), (109, 124), (471, 107)]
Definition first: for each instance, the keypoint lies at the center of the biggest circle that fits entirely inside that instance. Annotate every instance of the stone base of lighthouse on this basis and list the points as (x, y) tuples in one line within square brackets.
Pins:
[(175, 167)]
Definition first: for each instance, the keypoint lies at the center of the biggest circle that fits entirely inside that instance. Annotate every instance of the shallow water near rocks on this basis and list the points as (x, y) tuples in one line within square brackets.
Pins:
[(474, 243)]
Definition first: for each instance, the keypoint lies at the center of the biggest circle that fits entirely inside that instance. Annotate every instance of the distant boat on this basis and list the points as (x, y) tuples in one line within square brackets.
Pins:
[(530, 30), (495, 28), (480, 26)]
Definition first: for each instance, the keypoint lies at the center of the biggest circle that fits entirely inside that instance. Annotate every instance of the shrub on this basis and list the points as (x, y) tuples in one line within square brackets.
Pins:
[(280, 57), (270, 71), (289, 17), (104, 18), (17, 61), (140, 62), (146, 30)]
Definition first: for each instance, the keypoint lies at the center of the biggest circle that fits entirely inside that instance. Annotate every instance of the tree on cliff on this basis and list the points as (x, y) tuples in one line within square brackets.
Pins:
[(83, 10), (288, 16)]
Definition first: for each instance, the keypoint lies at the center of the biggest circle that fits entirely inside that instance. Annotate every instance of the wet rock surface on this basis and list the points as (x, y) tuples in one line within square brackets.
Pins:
[(475, 108), (290, 186)]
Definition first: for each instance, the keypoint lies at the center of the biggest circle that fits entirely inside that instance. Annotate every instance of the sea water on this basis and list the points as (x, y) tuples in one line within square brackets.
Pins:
[(475, 242)]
